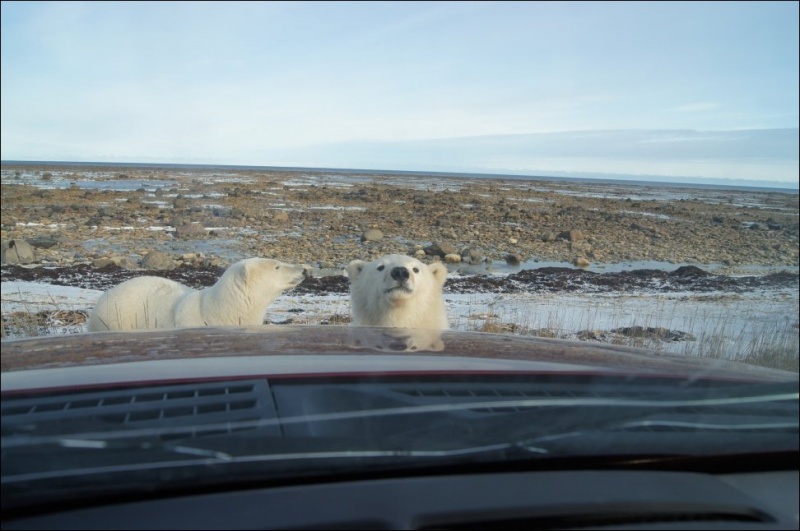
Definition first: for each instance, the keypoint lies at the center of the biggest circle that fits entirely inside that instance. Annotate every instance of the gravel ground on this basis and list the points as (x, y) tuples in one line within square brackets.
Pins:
[(76, 215)]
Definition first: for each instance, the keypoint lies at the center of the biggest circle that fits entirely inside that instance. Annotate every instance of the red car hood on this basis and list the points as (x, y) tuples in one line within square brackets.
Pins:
[(232, 352)]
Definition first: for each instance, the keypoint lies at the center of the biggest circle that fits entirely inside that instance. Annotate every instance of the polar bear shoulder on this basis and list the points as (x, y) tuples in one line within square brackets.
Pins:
[(141, 302)]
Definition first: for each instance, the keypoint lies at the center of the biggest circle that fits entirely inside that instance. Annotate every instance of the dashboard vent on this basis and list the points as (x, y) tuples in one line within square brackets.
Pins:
[(218, 404), (477, 393)]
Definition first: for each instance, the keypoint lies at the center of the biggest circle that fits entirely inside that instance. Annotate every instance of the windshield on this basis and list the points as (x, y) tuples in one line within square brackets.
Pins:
[(274, 242)]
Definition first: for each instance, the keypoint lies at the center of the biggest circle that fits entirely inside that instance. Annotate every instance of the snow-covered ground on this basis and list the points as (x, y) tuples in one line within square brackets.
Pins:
[(729, 325)]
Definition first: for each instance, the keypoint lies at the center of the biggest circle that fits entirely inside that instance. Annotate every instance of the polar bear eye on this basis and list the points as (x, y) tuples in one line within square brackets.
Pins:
[(416, 270), (380, 268), (277, 267)]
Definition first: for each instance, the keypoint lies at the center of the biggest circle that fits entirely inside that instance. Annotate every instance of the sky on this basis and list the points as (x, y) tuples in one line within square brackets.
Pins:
[(692, 90)]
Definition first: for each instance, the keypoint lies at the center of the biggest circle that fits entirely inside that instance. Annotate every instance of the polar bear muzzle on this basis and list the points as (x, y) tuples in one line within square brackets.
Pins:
[(400, 274)]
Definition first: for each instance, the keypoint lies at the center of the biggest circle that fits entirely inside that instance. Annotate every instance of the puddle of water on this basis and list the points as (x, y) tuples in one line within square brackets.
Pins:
[(121, 185)]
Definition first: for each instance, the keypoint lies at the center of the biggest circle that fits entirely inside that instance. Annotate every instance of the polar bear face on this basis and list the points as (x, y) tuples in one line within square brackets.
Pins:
[(397, 278), (397, 291), (271, 275)]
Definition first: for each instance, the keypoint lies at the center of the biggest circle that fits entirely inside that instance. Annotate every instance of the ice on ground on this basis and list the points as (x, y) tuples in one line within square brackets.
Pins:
[(34, 297)]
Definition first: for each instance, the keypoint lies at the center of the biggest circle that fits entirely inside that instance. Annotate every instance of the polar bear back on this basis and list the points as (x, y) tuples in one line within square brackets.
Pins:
[(142, 302), (397, 291)]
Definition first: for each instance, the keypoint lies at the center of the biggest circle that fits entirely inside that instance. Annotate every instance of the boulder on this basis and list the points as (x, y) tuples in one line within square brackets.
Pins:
[(17, 252), (371, 235), (158, 261), (581, 262), (190, 231), (440, 249), (514, 259)]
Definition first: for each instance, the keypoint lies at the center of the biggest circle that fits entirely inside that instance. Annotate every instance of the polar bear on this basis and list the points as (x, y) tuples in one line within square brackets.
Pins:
[(239, 297), (397, 291)]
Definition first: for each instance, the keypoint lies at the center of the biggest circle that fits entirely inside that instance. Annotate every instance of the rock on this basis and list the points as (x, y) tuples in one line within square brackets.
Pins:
[(371, 235), (444, 223), (690, 271), (281, 217), (127, 263), (452, 258), (190, 231), (513, 259), (571, 235), (473, 256), (44, 242), (581, 262), (549, 236), (17, 252), (581, 246), (419, 253), (440, 249), (100, 263), (218, 262), (158, 261)]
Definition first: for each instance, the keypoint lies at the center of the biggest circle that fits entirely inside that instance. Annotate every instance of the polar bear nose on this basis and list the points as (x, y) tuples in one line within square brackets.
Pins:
[(400, 273)]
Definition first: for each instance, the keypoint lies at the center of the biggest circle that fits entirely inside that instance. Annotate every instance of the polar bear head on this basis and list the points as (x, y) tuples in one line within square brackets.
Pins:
[(243, 292), (265, 275), (397, 291)]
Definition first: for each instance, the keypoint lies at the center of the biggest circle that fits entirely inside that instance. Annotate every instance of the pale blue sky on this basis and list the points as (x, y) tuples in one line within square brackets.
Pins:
[(406, 85)]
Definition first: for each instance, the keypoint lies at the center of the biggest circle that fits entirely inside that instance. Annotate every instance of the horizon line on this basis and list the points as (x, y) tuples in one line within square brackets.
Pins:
[(629, 178)]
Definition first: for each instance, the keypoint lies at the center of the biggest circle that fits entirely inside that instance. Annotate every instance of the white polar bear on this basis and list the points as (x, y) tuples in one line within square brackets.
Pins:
[(397, 291), (239, 297)]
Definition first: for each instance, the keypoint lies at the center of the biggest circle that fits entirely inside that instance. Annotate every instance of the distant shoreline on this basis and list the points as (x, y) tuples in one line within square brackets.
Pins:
[(633, 181)]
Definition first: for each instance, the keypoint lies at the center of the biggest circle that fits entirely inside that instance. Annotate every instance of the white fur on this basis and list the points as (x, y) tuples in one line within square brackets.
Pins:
[(240, 297), (377, 299)]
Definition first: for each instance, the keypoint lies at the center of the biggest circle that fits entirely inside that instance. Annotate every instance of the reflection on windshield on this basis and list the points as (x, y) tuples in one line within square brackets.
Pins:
[(395, 339)]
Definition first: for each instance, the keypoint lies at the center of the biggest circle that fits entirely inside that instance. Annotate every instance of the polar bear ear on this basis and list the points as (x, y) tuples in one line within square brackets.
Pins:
[(250, 268), (439, 271), (354, 269)]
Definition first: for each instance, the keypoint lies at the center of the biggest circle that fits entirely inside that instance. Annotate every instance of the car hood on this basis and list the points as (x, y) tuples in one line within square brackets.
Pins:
[(231, 352)]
